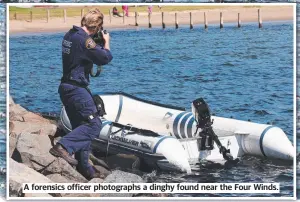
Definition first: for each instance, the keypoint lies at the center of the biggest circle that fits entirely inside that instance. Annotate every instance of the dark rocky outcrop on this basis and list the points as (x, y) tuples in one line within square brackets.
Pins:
[(31, 136)]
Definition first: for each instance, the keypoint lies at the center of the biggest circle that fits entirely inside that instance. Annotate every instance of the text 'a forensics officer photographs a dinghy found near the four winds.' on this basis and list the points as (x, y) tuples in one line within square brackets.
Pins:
[(235, 88)]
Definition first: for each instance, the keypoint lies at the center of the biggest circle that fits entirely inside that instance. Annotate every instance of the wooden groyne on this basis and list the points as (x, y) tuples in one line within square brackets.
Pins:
[(147, 19)]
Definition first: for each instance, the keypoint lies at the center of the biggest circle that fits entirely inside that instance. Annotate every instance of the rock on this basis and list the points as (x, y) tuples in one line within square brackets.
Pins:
[(46, 129), (58, 178), (33, 151), (65, 169), (96, 180), (11, 101), (160, 195), (103, 171), (18, 113), (97, 161), (37, 195), (32, 136), (21, 120), (15, 187), (19, 174), (124, 161), (81, 195), (100, 166), (14, 135), (151, 195), (12, 145), (11, 126), (21, 115), (118, 176), (15, 109), (35, 118)]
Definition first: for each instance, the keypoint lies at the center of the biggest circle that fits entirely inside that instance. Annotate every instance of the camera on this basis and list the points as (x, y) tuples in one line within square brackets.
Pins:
[(98, 38)]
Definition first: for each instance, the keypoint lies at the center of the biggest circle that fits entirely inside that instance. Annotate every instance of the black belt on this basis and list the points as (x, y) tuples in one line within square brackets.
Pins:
[(74, 83)]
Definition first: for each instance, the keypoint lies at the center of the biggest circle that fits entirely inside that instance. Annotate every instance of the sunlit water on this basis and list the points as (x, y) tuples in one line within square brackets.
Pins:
[(246, 73)]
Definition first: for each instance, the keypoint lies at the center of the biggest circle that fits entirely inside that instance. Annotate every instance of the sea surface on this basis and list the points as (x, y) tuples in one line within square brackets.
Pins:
[(244, 73)]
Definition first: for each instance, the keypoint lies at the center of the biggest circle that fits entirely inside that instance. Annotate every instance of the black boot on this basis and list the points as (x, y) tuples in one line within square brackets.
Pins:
[(59, 151)]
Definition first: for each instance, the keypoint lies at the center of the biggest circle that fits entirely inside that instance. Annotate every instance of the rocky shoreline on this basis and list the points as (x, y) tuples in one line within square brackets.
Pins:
[(30, 138)]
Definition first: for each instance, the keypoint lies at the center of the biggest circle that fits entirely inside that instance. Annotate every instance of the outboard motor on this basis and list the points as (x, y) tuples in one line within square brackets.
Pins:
[(203, 119)]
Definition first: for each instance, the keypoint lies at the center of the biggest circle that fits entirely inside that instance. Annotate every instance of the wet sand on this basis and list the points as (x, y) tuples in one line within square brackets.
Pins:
[(247, 14)]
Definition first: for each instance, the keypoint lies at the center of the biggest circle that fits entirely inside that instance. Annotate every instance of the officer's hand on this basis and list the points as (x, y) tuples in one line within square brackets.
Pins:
[(106, 38)]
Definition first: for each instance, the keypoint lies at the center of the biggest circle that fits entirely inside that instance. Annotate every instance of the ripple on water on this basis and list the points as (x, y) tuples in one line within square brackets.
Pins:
[(156, 61), (261, 112)]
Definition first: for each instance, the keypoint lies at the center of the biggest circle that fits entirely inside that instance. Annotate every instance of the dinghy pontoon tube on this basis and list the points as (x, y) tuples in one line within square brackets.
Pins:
[(240, 136), (153, 148), (173, 144)]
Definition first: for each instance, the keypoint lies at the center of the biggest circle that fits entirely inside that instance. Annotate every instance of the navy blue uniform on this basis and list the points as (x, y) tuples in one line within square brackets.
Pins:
[(79, 53)]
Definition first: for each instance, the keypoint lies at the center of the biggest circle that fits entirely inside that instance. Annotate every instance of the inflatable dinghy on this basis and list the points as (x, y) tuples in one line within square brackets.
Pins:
[(169, 137), (153, 148)]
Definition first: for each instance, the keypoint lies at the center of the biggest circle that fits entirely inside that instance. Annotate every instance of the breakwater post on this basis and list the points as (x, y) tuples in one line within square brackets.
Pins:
[(259, 19), (239, 21), (31, 16), (176, 21), (136, 19), (191, 21), (48, 15), (205, 21), (123, 17), (110, 15), (82, 13), (221, 20), (149, 19), (65, 15), (162, 20)]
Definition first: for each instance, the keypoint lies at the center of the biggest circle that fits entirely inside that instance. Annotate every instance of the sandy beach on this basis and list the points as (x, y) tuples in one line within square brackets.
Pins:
[(230, 13)]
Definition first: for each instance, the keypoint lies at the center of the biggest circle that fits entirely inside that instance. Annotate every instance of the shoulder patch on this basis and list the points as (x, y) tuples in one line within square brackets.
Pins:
[(90, 43)]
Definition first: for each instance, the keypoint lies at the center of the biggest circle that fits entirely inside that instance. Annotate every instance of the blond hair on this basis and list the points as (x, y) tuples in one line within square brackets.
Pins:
[(92, 19)]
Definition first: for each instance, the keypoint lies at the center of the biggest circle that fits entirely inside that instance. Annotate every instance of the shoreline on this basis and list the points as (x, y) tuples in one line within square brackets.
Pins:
[(248, 15), (144, 27)]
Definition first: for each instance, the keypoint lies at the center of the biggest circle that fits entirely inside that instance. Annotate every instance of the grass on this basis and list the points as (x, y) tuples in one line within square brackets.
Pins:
[(73, 11)]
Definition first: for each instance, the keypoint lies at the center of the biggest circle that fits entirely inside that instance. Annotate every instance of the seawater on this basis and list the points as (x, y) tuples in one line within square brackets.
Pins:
[(244, 73)]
